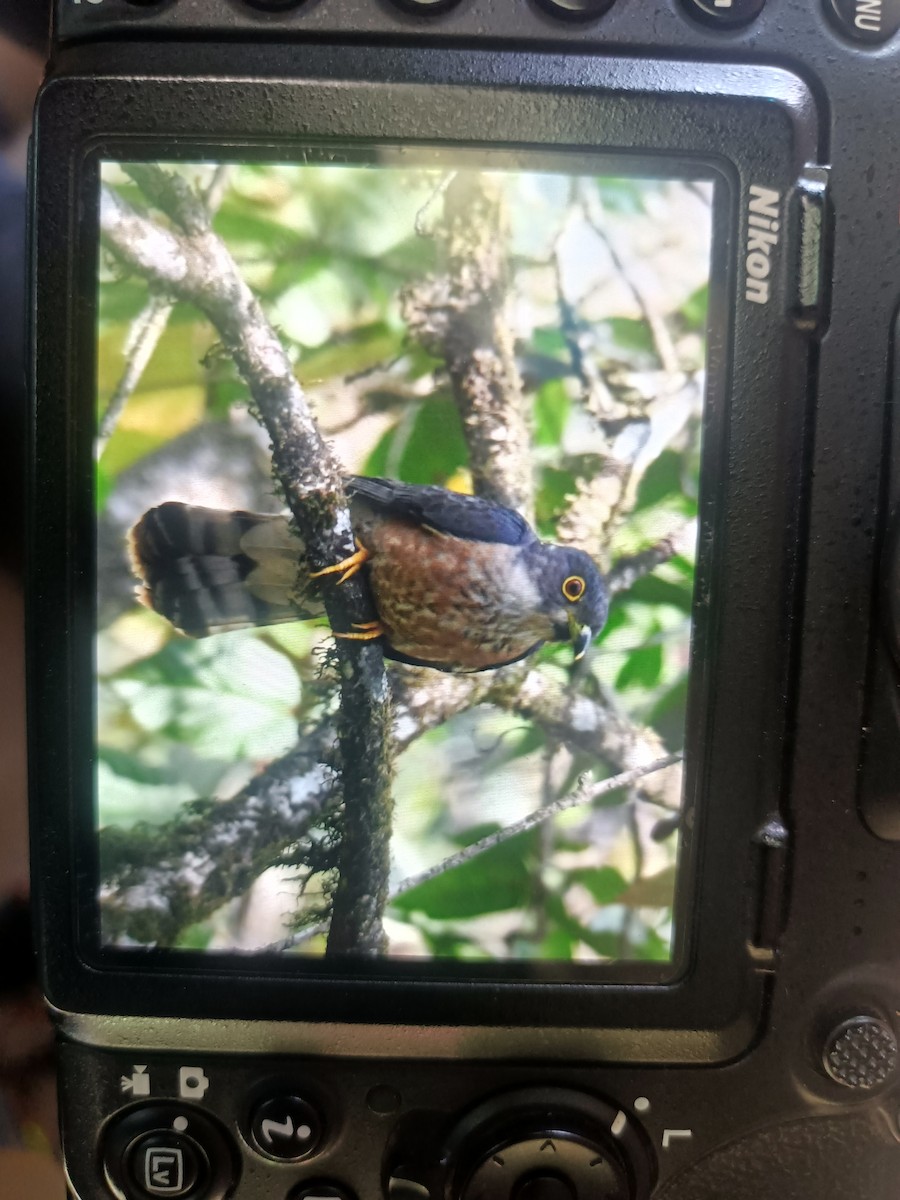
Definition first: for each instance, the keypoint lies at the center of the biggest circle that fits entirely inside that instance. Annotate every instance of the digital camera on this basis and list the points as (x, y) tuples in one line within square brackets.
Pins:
[(464, 721)]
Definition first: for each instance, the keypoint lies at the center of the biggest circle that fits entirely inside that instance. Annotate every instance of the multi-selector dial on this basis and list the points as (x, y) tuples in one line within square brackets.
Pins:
[(539, 1144)]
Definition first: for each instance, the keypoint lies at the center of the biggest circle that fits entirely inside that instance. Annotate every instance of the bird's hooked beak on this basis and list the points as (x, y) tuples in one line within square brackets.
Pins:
[(581, 636)]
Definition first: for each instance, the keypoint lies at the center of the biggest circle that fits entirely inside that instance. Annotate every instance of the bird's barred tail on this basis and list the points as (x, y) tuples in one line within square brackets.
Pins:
[(208, 571)]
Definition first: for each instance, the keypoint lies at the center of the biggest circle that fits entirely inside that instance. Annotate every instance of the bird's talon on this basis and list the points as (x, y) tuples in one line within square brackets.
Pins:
[(367, 631), (349, 566)]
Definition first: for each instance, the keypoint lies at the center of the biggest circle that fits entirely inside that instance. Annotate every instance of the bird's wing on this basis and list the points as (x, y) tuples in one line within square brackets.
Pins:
[(438, 509)]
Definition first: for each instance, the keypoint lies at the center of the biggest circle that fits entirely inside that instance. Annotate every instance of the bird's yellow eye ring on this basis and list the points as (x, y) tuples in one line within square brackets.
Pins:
[(573, 588)]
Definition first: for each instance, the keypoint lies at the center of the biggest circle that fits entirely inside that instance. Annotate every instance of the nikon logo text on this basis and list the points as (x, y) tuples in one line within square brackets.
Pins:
[(762, 238)]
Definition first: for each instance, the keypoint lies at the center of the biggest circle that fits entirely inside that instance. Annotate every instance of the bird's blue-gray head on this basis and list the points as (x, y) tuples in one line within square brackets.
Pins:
[(573, 594)]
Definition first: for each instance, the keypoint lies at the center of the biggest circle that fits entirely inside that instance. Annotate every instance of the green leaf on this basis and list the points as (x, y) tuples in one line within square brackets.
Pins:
[(235, 696), (549, 340), (123, 801), (129, 766), (625, 196), (605, 884), (347, 354), (557, 946), (654, 891), (551, 412), (696, 307), (654, 590), (435, 447), (554, 488), (240, 222), (601, 942), (653, 948), (495, 881), (664, 477), (667, 716), (618, 617), (102, 488), (631, 334), (642, 668), (442, 945), (195, 937), (425, 446), (531, 739)]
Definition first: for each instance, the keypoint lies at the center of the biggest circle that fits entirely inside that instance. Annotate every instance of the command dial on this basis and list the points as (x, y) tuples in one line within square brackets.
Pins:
[(549, 1144)]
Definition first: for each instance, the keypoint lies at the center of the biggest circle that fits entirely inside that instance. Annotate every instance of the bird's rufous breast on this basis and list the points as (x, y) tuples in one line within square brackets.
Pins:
[(449, 600)]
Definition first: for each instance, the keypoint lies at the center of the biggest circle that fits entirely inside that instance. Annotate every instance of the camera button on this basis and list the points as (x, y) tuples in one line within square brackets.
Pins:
[(400, 1187), (871, 21), (321, 1191), (724, 14), (274, 5), (167, 1164), (286, 1128), (425, 8), (576, 10), (544, 1187)]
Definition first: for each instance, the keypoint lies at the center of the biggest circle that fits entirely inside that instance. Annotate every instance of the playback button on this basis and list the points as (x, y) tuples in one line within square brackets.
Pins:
[(286, 1128)]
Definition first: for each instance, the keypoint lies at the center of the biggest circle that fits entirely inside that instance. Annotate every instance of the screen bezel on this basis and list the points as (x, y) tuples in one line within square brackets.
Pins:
[(718, 985)]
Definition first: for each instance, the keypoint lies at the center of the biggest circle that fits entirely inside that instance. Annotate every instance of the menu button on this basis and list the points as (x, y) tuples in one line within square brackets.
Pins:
[(872, 21)]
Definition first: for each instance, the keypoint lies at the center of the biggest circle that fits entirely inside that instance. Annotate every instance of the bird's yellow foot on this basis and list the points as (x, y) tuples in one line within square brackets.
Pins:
[(367, 631), (348, 565)]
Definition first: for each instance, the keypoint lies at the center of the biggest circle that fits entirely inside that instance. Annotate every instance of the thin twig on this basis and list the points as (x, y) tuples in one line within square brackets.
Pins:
[(662, 339), (583, 794), (627, 571)]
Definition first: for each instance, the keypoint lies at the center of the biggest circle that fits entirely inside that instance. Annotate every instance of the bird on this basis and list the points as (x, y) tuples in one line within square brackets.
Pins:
[(459, 583)]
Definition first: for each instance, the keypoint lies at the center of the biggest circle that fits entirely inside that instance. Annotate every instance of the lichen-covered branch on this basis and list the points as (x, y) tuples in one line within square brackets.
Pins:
[(192, 264), (460, 317), (156, 880)]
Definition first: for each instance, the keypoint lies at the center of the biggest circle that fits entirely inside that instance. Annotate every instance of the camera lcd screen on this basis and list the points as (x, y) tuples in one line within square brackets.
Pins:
[(526, 329)]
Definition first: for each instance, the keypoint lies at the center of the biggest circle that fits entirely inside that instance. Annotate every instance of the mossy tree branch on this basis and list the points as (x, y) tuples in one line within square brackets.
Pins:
[(190, 263), (460, 317)]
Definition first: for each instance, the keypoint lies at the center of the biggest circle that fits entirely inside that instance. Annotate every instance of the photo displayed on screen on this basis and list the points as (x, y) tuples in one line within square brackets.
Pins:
[(507, 359)]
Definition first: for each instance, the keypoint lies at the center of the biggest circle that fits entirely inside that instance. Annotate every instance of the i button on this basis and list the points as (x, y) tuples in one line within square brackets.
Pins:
[(286, 1128)]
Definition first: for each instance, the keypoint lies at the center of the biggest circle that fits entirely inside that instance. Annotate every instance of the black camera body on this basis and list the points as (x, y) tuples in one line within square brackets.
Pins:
[(756, 1053)]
